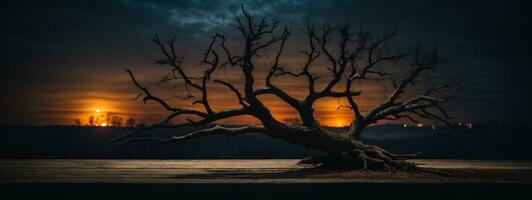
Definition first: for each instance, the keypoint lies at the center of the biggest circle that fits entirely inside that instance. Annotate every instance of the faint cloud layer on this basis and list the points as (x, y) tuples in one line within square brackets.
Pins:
[(210, 15)]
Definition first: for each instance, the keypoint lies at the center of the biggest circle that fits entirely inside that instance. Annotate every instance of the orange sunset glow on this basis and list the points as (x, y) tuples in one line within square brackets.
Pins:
[(100, 98), (326, 112)]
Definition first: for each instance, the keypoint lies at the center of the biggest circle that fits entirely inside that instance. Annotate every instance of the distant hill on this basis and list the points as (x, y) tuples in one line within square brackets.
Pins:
[(484, 141)]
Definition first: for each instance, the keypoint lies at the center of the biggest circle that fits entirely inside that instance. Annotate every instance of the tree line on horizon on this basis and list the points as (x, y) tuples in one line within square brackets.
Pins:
[(111, 119)]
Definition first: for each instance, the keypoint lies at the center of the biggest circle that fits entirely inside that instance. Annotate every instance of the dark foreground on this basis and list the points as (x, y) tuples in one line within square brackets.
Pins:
[(325, 191), (255, 179)]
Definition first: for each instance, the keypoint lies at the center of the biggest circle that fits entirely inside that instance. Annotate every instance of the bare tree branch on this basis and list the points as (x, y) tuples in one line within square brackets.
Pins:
[(216, 130), (241, 99), (149, 97), (351, 57), (421, 63)]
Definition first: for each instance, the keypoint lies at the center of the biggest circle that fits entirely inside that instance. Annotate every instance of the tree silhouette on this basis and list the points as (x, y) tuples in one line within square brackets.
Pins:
[(91, 121), (351, 56), (113, 119), (130, 123)]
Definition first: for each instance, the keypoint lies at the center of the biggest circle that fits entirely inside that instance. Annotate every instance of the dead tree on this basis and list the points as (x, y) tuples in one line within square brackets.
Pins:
[(353, 58)]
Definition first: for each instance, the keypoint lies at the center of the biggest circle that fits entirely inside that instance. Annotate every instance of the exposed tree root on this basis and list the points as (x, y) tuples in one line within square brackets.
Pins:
[(371, 158)]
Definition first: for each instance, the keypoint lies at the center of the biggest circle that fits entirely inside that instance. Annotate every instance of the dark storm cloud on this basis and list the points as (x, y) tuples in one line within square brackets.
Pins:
[(81, 47)]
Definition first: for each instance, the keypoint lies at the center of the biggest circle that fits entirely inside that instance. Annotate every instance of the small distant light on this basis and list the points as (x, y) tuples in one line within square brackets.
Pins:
[(103, 124), (433, 127), (404, 125), (460, 124), (469, 126), (419, 125)]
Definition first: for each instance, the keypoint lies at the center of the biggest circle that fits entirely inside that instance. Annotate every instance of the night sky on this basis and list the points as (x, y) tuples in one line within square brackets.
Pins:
[(61, 60)]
